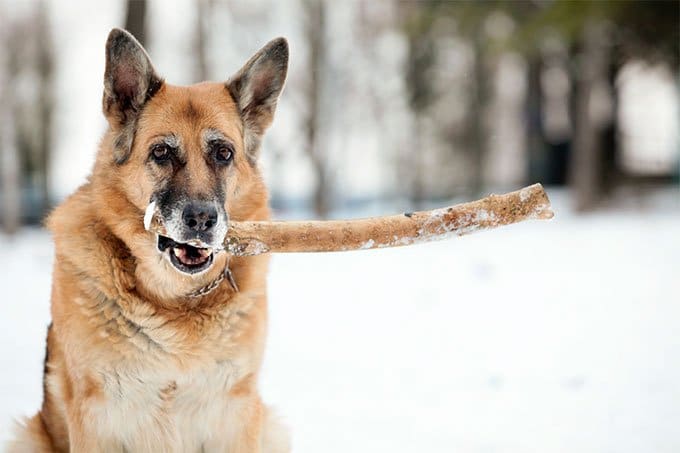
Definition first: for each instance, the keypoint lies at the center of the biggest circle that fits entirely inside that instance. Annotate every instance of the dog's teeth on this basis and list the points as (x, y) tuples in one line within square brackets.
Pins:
[(193, 256)]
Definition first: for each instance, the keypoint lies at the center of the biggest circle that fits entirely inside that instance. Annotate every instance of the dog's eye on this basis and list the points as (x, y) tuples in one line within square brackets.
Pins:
[(224, 154), (160, 152)]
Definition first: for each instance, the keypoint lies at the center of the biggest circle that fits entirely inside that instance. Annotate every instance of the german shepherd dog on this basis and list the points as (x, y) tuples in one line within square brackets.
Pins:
[(156, 342)]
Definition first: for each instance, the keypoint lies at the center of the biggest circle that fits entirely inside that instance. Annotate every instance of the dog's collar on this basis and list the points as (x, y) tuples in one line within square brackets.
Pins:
[(210, 287)]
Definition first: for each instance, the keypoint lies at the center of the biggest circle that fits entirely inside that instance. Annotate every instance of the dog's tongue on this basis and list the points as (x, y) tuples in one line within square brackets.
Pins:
[(191, 255)]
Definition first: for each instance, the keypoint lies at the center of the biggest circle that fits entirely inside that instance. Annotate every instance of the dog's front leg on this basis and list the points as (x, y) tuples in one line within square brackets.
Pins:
[(246, 425), (84, 435), (241, 429)]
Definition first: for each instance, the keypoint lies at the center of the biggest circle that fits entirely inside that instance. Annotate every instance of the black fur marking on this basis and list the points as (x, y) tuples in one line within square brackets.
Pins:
[(169, 200), (154, 86), (46, 406), (190, 112), (122, 145), (408, 214), (46, 427), (46, 360)]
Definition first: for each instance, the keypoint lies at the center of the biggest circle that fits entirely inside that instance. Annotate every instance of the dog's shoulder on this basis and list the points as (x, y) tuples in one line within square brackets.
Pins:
[(68, 220)]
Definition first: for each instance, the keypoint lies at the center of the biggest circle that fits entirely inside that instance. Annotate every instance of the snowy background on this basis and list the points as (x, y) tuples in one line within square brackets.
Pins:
[(547, 337), (557, 336)]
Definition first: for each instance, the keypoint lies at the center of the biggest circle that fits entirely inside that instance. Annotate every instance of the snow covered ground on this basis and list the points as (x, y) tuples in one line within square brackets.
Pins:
[(559, 336)]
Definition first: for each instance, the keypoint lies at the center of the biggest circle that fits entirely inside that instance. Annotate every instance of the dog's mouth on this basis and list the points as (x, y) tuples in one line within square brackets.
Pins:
[(185, 257)]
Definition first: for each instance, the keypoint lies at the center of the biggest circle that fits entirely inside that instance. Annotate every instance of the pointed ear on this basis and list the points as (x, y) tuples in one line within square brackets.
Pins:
[(256, 89), (129, 82)]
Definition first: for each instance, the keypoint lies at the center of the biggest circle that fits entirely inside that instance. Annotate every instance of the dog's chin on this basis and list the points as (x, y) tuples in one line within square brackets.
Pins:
[(190, 259)]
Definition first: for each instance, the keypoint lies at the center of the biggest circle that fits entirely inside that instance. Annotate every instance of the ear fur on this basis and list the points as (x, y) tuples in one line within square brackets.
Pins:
[(129, 82), (256, 88)]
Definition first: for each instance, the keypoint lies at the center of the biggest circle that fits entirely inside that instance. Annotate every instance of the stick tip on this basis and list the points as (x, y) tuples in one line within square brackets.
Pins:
[(542, 207)]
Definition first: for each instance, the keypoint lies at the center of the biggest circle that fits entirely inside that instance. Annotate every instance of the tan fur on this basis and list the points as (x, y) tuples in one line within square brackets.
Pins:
[(133, 364)]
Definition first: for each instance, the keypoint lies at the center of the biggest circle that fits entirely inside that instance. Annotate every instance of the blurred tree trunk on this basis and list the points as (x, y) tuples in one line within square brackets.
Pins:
[(135, 19), (315, 31), (203, 11), (536, 140), (610, 140), (10, 167), (416, 165), (11, 180), (420, 60), (45, 68), (478, 101), (585, 169)]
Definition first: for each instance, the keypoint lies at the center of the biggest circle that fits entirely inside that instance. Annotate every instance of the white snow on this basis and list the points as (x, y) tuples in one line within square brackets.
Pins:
[(367, 245), (559, 336), (524, 194)]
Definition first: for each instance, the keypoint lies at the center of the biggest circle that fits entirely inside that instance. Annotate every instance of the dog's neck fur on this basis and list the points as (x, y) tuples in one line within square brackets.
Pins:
[(112, 278)]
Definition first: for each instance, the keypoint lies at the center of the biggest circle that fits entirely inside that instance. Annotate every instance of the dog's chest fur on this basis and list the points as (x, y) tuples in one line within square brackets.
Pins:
[(162, 380), (181, 409), (161, 388)]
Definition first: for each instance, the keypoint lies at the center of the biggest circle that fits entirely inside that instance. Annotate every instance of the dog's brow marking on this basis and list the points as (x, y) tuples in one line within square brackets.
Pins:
[(213, 135), (191, 112), (171, 140)]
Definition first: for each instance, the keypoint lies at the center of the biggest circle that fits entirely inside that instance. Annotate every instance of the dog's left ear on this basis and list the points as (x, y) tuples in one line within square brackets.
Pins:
[(256, 89), (129, 82)]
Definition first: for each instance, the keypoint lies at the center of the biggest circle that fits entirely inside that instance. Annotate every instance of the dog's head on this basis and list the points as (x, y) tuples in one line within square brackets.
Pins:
[(189, 152)]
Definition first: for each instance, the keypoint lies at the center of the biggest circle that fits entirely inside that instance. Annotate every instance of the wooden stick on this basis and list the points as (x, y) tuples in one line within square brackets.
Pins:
[(254, 238)]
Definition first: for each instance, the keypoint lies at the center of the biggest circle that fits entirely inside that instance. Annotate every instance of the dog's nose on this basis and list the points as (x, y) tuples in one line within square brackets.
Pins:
[(200, 216)]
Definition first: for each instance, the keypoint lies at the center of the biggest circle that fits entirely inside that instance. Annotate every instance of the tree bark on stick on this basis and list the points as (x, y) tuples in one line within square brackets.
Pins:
[(254, 238)]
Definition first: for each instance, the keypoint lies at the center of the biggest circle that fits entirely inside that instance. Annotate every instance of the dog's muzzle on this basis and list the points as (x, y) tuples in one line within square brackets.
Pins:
[(190, 239)]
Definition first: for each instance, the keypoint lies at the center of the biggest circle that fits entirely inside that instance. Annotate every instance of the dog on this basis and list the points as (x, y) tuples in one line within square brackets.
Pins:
[(156, 342)]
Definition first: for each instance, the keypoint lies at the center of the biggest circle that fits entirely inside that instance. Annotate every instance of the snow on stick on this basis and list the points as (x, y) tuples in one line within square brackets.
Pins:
[(253, 238)]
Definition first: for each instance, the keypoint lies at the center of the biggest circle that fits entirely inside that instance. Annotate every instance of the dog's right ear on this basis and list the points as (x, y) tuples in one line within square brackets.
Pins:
[(129, 82), (256, 88)]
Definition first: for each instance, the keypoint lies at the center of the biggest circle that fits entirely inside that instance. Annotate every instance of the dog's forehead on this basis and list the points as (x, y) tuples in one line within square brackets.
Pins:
[(191, 110)]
